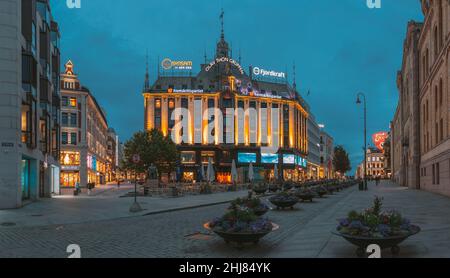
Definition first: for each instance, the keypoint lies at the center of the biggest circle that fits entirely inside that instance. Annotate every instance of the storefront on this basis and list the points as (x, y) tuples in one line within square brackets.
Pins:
[(70, 169)]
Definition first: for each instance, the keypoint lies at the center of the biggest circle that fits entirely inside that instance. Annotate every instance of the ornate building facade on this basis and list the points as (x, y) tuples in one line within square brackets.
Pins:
[(231, 116), (84, 135), (422, 123)]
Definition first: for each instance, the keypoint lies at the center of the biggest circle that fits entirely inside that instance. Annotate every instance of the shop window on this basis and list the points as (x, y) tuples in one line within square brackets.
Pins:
[(206, 156), (187, 157), (70, 158)]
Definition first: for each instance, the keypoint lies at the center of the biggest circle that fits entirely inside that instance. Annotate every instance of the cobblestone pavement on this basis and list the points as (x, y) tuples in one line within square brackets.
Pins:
[(304, 232)]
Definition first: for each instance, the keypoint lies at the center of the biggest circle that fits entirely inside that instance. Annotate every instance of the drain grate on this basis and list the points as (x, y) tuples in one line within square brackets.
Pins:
[(37, 215), (8, 224)]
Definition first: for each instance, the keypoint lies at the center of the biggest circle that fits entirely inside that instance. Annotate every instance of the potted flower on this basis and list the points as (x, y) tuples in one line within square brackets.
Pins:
[(241, 225), (287, 186), (321, 191), (260, 188), (273, 187), (284, 200), (252, 203), (372, 226), (305, 194)]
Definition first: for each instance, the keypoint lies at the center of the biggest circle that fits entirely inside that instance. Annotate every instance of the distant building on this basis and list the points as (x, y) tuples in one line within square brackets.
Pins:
[(112, 156), (84, 135), (326, 155), (376, 165), (314, 162), (29, 102)]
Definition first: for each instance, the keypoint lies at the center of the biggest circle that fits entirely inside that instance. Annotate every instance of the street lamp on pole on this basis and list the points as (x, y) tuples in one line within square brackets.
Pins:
[(358, 101)]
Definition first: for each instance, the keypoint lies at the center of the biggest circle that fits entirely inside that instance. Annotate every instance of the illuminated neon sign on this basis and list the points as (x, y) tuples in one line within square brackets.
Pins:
[(379, 139), (224, 60), (270, 73), (168, 64)]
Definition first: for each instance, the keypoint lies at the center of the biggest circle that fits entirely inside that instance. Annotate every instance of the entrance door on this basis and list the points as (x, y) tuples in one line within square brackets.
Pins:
[(25, 179), (41, 180)]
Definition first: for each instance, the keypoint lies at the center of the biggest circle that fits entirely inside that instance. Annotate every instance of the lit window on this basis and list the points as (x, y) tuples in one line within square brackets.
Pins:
[(73, 102), (158, 104)]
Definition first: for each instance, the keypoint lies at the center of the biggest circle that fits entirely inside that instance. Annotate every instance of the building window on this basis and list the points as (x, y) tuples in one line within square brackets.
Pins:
[(73, 139), (64, 138), (70, 158), (438, 178), (73, 119), (64, 101), (73, 102), (65, 119), (187, 157), (158, 113), (206, 156)]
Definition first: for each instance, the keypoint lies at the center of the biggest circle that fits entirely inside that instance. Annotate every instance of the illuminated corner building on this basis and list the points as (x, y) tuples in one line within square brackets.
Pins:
[(223, 84), (84, 135), (29, 102)]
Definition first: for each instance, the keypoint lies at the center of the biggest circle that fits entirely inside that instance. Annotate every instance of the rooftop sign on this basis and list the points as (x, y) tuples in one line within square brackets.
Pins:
[(257, 71), (224, 60), (168, 64)]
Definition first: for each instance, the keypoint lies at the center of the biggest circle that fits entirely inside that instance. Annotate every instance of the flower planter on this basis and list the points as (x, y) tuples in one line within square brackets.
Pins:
[(305, 197), (260, 211), (260, 190), (241, 238), (283, 204), (391, 242)]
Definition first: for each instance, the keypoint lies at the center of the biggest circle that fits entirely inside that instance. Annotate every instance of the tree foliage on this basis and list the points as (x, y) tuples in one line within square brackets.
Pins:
[(153, 148), (341, 162)]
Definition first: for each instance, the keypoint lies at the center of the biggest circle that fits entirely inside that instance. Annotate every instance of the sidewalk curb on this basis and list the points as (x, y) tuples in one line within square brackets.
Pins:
[(194, 207), (186, 208)]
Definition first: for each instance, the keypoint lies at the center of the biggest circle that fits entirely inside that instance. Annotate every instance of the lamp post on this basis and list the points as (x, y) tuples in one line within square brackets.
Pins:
[(358, 101)]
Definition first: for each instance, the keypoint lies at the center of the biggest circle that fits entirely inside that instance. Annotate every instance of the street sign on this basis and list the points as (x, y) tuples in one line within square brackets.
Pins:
[(136, 159)]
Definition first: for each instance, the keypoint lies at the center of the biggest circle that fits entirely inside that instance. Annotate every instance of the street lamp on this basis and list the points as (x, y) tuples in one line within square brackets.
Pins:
[(358, 101)]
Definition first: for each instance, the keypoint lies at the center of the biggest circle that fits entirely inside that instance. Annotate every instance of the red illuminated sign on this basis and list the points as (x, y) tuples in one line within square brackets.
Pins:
[(379, 139)]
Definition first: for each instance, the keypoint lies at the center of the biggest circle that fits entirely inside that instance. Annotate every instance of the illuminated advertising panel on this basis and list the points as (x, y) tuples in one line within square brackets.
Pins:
[(247, 157), (288, 159), (168, 64), (379, 139), (269, 158)]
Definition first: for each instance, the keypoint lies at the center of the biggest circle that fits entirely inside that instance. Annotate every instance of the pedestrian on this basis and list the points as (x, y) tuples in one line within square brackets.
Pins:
[(77, 187), (118, 183)]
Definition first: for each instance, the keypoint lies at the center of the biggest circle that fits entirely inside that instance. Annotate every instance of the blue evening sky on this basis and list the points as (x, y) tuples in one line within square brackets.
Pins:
[(340, 47)]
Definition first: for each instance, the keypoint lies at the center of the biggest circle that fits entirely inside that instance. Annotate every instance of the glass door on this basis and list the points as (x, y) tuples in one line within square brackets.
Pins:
[(25, 179)]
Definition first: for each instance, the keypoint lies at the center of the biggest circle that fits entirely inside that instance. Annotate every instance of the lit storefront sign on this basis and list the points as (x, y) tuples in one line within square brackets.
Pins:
[(185, 91), (268, 158), (168, 64), (224, 60), (301, 162), (289, 159), (92, 162), (257, 71), (247, 157)]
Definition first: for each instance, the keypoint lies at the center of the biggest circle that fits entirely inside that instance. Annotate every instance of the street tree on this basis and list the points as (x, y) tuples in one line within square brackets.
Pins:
[(154, 149), (341, 162)]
